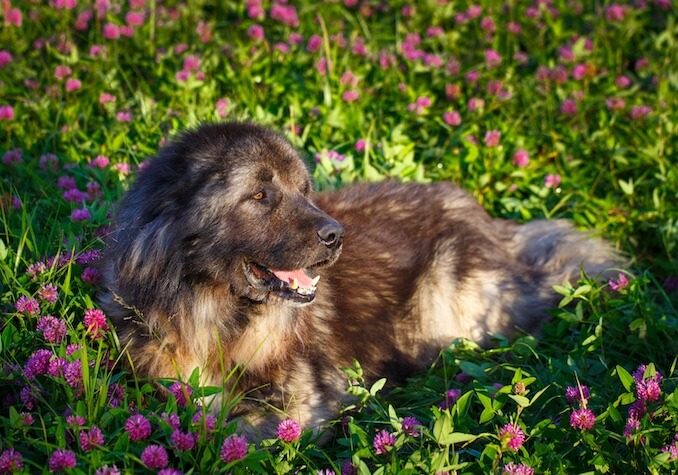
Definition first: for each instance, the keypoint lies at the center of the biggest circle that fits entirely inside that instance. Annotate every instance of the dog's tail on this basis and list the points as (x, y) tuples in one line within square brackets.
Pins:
[(561, 251)]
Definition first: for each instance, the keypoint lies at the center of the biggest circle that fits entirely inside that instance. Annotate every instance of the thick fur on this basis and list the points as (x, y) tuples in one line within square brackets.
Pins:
[(421, 265)]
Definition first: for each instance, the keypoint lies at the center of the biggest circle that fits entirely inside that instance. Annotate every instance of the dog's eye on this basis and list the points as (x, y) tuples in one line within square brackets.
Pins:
[(258, 196)]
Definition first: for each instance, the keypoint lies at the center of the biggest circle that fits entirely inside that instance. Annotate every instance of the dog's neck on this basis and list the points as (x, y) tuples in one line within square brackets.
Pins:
[(215, 330), (238, 331)]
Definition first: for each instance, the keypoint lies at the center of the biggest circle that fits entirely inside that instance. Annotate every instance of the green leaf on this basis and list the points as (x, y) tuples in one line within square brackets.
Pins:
[(473, 369), (565, 291), (393, 418), (522, 401), (539, 393), (61, 432), (614, 413), (105, 419), (457, 437), (442, 428), (210, 390), (601, 464), (377, 386), (517, 376), (487, 415), (650, 371), (194, 378), (206, 459), (589, 340), (66, 286), (625, 378), (363, 469), (627, 186), (14, 417), (582, 290), (7, 336), (485, 400), (627, 398), (462, 405), (437, 461), (359, 432), (489, 455)]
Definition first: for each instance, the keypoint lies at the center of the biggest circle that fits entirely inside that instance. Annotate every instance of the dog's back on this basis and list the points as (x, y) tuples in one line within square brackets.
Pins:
[(425, 264)]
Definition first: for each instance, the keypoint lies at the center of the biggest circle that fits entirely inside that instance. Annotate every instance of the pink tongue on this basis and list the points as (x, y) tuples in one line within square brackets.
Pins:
[(286, 276)]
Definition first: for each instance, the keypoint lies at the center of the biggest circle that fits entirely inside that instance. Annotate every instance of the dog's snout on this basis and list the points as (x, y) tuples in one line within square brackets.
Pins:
[(331, 233)]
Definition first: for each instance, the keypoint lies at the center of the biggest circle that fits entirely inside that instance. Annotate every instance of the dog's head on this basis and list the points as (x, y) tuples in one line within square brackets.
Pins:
[(228, 204)]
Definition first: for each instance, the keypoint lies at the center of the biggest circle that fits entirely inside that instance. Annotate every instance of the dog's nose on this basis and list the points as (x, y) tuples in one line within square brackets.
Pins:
[(331, 233)]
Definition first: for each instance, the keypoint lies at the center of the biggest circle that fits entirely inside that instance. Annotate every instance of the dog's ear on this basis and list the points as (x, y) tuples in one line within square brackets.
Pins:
[(145, 258)]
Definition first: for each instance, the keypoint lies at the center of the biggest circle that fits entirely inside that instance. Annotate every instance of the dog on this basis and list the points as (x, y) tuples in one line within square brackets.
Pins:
[(222, 257)]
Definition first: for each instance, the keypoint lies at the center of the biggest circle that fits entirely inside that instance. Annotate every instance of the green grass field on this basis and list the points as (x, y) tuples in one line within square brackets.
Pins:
[(544, 108)]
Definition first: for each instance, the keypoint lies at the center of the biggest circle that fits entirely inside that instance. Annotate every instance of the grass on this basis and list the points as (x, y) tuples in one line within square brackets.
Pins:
[(368, 91)]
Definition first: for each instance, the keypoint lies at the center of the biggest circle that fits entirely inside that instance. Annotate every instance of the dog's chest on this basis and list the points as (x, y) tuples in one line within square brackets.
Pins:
[(269, 338)]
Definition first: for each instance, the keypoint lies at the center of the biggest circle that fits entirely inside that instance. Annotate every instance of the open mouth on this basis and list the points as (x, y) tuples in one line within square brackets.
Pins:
[(295, 285)]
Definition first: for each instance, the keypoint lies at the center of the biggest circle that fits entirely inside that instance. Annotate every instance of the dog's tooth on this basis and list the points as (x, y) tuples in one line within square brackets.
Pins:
[(294, 284), (316, 279)]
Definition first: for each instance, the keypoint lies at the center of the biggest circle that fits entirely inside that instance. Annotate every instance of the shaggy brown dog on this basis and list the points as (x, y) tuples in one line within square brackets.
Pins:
[(216, 252)]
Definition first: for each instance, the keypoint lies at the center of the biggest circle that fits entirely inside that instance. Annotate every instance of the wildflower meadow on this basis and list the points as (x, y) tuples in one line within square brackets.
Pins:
[(540, 108)]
